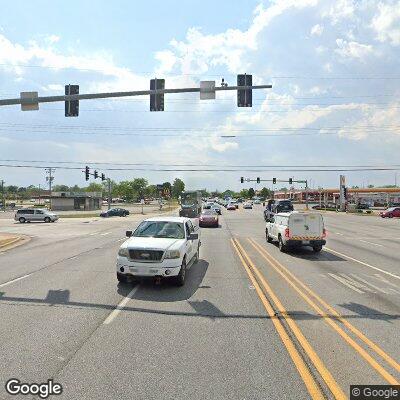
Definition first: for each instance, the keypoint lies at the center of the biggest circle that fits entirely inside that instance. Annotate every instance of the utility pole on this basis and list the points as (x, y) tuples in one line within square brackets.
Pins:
[(3, 200), (306, 195), (49, 179), (109, 192)]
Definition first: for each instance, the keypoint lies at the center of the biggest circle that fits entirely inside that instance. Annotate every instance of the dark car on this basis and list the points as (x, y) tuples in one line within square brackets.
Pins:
[(216, 208), (115, 212), (362, 206), (390, 212), (208, 218), (282, 206)]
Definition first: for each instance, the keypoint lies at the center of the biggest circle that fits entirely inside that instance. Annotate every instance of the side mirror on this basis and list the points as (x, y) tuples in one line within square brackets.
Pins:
[(193, 236), (128, 233)]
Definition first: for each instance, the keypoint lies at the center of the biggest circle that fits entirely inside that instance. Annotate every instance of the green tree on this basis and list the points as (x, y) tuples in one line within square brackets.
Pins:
[(139, 185), (94, 187), (251, 193), (60, 188), (124, 189), (177, 187), (244, 193), (266, 193)]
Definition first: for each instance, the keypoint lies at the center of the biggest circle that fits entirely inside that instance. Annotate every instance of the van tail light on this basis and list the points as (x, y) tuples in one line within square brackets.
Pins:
[(287, 233), (324, 232)]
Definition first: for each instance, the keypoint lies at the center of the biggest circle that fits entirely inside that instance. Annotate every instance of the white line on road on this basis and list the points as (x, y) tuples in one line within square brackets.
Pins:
[(344, 282), (340, 234), (120, 306), (362, 263), (369, 284), (374, 244), (14, 280), (105, 233)]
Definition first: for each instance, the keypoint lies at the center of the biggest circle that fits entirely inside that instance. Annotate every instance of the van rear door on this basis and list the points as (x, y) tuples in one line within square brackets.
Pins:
[(306, 226)]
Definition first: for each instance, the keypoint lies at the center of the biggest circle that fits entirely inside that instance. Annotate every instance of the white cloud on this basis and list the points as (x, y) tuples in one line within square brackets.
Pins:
[(386, 23), (341, 9), (317, 30), (353, 49), (52, 39)]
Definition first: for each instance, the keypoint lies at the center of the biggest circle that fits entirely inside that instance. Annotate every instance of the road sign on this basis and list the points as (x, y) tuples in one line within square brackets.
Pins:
[(207, 90), (29, 101)]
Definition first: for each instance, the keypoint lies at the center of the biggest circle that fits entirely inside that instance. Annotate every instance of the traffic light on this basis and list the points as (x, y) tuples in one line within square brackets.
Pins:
[(244, 96), (87, 173), (157, 100), (96, 174), (103, 177), (274, 181), (241, 179), (345, 192), (290, 181), (258, 179), (71, 107)]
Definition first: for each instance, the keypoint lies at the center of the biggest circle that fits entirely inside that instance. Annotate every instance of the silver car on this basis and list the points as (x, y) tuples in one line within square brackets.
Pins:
[(35, 214)]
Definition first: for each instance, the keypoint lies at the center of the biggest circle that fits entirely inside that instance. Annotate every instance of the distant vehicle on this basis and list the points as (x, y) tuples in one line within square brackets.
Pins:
[(390, 212), (394, 204), (257, 201), (114, 212), (296, 229), (160, 247), (207, 206), (231, 206), (235, 202), (268, 208), (247, 205), (323, 205), (190, 204), (35, 214), (362, 206), (282, 206), (208, 218), (217, 209)]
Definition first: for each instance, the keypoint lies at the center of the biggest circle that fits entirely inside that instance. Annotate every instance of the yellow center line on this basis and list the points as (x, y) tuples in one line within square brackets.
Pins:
[(328, 319), (309, 381)]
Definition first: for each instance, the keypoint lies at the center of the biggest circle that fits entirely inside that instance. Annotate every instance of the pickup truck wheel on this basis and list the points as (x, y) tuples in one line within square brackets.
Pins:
[(317, 249), (281, 245), (121, 278), (269, 239), (180, 279), (22, 220)]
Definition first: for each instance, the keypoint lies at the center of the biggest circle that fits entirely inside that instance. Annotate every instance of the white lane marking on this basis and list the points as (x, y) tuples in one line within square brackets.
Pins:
[(122, 239), (14, 280), (344, 282), (105, 233), (374, 244), (369, 284), (362, 263), (340, 234), (92, 234), (120, 306)]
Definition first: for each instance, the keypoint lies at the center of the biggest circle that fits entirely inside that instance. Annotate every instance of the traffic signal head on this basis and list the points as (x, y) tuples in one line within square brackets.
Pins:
[(72, 106), (241, 179), (87, 173), (290, 181), (96, 174), (345, 192), (157, 100), (274, 181), (258, 179), (103, 177), (244, 96)]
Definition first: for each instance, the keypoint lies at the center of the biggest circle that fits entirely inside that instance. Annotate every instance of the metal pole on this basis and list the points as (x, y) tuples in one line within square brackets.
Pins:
[(109, 193), (3, 200), (306, 195)]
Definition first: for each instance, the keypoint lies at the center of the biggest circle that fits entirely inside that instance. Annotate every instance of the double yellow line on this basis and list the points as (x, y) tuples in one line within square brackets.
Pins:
[(311, 298)]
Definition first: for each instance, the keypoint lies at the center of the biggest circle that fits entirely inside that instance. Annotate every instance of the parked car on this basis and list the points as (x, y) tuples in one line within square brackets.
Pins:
[(231, 206), (114, 212), (323, 206), (160, 247), (295, 229), (257, 201), (208, 218), (35, 214), (362, 206), (247, 205), (390, 212)]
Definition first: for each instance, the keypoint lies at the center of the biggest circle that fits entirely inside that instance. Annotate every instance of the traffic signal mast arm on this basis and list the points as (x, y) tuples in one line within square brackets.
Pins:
[(88, 96), (272, 180)]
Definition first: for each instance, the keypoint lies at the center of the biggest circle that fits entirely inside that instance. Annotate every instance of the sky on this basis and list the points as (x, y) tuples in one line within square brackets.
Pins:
[(334, 67)]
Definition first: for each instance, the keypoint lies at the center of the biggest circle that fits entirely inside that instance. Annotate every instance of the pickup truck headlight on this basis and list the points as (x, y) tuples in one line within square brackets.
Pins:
[(123, 252), (172, 254)]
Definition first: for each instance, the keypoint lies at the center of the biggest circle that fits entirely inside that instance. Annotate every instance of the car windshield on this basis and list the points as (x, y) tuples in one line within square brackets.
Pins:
[(160, 229)]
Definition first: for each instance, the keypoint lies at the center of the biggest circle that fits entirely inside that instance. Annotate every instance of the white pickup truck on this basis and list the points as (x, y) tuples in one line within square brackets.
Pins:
[(295, 229)]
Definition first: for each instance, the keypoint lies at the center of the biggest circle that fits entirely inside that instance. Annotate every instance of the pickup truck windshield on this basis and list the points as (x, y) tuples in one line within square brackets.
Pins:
[(160, 229)]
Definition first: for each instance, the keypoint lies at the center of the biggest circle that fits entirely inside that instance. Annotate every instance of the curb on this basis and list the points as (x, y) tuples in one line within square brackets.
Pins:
[(10, 241)]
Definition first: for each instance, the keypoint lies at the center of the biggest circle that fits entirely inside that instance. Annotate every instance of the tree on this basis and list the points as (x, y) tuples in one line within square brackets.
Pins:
[(370, 186), (60, 188), (139, 185), (266, 193), (94, 187), (124, 189), (251, 193), (178, 187), (244, 193)]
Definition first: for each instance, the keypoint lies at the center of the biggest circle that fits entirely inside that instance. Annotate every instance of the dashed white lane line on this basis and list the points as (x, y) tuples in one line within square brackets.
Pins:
[(120, 306), (338, 233), (363, 263), (374, 244), (105, 233), (14, 280), (344, 282)]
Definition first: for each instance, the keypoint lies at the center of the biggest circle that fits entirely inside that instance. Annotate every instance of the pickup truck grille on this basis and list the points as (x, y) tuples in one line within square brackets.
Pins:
[(145, 255)]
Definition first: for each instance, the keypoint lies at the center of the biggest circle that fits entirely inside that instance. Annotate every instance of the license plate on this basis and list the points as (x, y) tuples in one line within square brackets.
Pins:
[(306, 242)]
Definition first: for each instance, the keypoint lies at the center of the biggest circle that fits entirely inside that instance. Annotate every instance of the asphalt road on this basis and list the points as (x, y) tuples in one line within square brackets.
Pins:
[(250, 322)]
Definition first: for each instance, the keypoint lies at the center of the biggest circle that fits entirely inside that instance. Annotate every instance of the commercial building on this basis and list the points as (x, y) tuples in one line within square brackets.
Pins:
[(79, 201)]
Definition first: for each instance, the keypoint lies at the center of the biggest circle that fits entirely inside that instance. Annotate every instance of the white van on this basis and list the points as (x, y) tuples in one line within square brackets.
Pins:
[(295, 229), (35, 214)]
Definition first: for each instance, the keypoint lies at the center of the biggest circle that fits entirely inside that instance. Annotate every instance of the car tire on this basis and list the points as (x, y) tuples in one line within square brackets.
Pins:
[(269, 239), (390, 215), (317, 249), (47, 220), (181, 277), (281, 245), (22, 220), (121, 278)]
